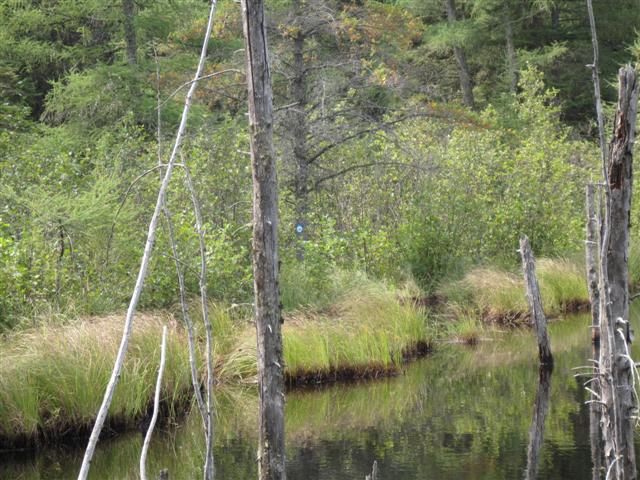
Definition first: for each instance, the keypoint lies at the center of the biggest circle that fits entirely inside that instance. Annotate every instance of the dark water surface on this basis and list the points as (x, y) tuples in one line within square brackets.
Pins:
[(462, 413)]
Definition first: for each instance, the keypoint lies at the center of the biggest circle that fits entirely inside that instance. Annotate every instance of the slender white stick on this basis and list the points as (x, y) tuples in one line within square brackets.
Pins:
[(209, 465), (156, 407), (142, 273)]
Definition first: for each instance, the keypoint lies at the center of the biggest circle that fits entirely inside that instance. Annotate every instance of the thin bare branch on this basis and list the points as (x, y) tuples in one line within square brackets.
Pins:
[(144, 264), (156, 407)]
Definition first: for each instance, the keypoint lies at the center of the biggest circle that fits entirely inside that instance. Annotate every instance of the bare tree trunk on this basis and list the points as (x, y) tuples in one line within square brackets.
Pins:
[(144, 264), (591, 250), (535, 304), (300, 130), (271, 455), (536, 432), (130, 32), (616, 367), (466, 84), (512, 59), (156, 407)]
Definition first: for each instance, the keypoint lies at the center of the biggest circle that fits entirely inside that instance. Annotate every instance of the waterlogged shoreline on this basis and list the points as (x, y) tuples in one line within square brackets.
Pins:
[(471, 423), (51, 377)]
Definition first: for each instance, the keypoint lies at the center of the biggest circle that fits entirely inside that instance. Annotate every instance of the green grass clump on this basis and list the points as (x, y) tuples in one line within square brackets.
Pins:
[(52, 379), (366, 332), (498, 295)]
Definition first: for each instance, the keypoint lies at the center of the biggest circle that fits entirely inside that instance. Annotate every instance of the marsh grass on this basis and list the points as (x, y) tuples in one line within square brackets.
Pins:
[(498, 295), (368, 332), (52, 377)]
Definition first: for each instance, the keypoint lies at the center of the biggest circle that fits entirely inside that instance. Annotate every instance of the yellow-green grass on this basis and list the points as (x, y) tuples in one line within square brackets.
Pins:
[(52, 378), (367, 333), (498, 295)]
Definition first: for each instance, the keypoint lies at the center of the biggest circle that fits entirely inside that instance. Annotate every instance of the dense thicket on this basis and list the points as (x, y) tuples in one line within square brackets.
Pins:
[(388, 161)]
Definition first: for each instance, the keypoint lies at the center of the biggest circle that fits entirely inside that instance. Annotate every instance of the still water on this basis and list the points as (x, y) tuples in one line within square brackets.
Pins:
[(462, 413)]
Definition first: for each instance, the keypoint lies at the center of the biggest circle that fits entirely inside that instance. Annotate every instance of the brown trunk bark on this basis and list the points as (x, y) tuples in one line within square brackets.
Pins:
[(616, 376), (130, 32), (466, 84), (271, 455), (535, 304), (300, 131), (512, 59)]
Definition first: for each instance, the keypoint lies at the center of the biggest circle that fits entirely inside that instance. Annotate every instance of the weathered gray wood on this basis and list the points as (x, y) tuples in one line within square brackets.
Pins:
[(466, 84), (144, 263), (615, 366), (536, 431), (374, 472), (591, 254), (156, 407), (271, 454), (532, 289)]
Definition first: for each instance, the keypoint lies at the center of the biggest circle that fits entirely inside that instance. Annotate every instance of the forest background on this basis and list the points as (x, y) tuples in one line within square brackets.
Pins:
[(416, 139)]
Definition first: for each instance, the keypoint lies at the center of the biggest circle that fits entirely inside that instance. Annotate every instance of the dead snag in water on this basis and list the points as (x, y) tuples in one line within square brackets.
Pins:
[(592, 246), (535, 304), (616, 369), (268, 318)]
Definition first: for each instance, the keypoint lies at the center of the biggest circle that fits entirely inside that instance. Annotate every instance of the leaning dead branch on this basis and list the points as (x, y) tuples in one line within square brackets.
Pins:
[(144, 264), (156, 407)]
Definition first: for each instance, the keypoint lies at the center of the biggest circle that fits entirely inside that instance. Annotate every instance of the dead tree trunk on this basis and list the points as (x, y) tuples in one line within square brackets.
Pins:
[(466, 84), (615, 366), (591, 250), (538, 319), (271, 459)]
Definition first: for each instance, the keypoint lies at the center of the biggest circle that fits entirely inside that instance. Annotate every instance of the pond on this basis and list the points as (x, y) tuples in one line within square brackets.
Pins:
[(461, 413)]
